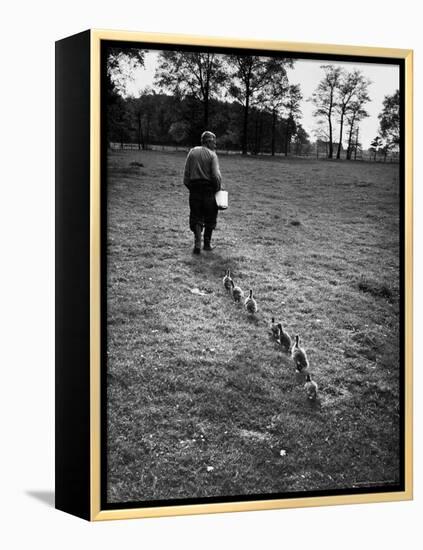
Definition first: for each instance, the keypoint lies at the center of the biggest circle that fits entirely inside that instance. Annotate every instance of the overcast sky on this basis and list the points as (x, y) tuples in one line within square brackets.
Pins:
[(307, 73)]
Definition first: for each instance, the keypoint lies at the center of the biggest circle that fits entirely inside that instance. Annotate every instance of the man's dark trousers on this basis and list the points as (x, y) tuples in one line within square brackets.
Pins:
[(203, 210)]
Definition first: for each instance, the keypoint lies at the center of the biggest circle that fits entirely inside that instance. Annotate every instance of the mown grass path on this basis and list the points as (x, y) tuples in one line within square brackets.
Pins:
[(200, 400)]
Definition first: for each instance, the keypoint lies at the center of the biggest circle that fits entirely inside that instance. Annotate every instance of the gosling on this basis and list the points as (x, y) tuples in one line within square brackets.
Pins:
[(299, 356), (237, 292), (311, 388), (251, 304), (284, 339), (274, 327), (227, 280)]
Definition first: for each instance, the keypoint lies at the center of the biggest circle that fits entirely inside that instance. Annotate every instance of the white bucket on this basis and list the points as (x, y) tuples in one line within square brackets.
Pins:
[(222, 200)]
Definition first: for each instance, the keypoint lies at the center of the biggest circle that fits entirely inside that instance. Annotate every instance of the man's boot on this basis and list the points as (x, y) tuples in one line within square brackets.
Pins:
[(207, 239), (197, 238)]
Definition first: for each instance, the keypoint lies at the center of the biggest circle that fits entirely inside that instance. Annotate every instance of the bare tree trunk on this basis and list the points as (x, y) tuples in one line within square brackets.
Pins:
[(341, 129), (147, 138), (260, 134), (140, 133), (255, 135), (350, 134), (299, 148), (287, 139), (206, 99), (206, 113), (356, 145), (273, 131), (245, 128), (330, 155)]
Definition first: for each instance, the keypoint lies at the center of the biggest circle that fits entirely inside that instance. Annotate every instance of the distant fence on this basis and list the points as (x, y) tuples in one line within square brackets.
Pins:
[(169, 148), (362, 156), (136, 147)]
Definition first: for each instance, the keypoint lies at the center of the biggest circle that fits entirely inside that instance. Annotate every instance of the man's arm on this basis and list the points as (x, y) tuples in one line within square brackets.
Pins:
[(215, 173), (187, 173)]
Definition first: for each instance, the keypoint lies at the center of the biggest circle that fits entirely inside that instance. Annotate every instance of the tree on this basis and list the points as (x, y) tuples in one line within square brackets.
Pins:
[(121, 63), (119, 122), (301, 140), (356, 113), (357, 145), (293, 109), (200, 75), (324, 99), (178, 131), (273, 98), (354, 116), (250, 75), (350, 85), (389, 120), (385, 150), (322, 138), (142, 109), (226, 124), (137, 110), (375, 145), (258, 131)]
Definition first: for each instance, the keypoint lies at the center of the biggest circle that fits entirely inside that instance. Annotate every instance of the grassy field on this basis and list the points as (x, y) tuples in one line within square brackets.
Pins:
[(201, 402)]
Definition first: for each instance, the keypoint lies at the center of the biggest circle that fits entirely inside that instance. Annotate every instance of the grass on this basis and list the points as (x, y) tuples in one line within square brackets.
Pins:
[(200, 400)]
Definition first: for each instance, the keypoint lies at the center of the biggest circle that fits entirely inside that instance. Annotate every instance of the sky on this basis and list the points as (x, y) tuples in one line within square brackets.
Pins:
[(306, 73)]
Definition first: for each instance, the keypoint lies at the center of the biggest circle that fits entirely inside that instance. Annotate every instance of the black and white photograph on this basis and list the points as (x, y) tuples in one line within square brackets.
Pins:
[(253, 257)]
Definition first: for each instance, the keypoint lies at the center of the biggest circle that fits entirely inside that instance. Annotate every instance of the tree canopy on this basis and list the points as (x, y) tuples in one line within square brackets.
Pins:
[(389, 120), (249, 76), (121, 63), (200, 75)]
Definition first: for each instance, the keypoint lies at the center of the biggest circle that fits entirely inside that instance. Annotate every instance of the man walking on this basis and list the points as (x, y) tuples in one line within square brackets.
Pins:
[(203, 179)]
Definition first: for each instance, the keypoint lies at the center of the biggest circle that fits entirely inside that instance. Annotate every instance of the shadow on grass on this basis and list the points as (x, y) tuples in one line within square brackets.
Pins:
[(211, 264), (254, 320)]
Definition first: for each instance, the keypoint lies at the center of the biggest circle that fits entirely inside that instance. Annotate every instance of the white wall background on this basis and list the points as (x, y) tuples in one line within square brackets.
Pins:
[(28, 32)]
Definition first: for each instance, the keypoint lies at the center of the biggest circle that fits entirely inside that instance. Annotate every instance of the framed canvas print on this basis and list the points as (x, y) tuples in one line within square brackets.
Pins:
[(233, 275)]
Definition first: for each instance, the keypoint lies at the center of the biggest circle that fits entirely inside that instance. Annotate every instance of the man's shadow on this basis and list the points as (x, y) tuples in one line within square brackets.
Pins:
[(211, 264), (46, 497)]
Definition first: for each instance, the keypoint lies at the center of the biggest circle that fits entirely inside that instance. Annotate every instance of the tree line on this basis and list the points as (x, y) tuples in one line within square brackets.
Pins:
[(247, 100)]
